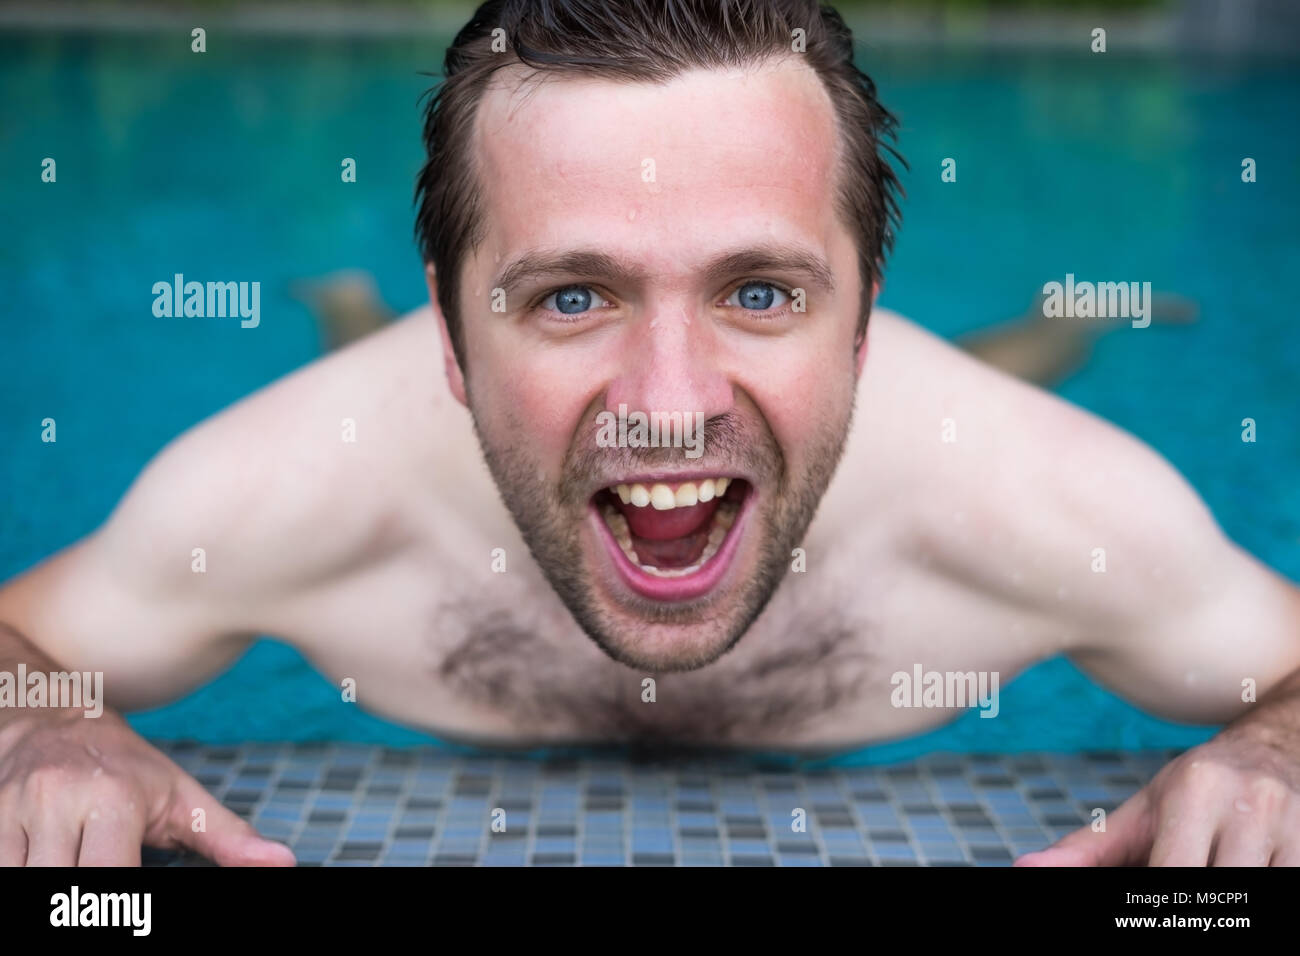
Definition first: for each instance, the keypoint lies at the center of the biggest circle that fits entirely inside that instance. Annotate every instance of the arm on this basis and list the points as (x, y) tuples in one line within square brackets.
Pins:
[(1187, 625), (127, 601), (270, 492), (86, 789)]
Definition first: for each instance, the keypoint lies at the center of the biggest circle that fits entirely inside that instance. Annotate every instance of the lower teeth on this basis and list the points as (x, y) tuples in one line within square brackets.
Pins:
[(723, 518)]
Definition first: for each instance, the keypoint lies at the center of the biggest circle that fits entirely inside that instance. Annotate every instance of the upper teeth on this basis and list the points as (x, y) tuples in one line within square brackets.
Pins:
[(663, 498)]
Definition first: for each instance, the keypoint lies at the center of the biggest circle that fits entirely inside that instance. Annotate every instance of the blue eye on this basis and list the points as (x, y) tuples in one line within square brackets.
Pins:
[(757, 296), (572, 300)]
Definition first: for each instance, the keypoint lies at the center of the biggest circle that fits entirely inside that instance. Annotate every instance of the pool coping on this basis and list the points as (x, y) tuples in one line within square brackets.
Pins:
[(342, 804), (1194, 25)]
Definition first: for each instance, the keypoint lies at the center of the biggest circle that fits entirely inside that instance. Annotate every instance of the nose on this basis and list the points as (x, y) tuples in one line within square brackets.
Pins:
[(670, 363)]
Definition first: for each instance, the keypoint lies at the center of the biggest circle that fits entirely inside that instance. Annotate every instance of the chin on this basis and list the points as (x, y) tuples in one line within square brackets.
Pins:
[(663, 648)]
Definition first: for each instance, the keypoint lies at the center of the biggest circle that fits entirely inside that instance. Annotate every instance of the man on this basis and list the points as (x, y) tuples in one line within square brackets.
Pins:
[(678, 207)]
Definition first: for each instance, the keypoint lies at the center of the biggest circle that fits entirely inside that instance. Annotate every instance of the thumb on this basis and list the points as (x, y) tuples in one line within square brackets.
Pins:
[(1125, 841), (225, 838)]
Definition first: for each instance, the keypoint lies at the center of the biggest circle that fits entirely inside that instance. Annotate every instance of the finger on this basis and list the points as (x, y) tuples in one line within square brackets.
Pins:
[(1185, 829), (111, 841), (1242, 843), (1288, 855), (53, 841), (225, 839), (1286, 839), (1124, 842), (13, 845)]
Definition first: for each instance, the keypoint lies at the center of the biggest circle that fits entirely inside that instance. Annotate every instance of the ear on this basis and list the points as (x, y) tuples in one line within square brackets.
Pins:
[(862, 346), (455, 377)]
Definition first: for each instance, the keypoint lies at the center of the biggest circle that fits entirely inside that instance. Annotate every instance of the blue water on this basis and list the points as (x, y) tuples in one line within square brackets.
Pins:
[(226, 166)]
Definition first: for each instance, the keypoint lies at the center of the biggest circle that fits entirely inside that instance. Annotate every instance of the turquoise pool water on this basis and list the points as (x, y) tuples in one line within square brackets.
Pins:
[(226, 165)]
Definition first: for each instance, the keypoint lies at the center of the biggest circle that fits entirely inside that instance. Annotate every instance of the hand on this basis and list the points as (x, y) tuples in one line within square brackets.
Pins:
[(1233, 801), (87, 791)]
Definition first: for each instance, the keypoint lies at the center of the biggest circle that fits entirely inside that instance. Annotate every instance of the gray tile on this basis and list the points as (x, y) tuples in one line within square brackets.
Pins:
[(355, 805)]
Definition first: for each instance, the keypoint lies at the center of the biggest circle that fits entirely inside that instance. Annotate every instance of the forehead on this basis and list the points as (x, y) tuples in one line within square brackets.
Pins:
[(664, 172)]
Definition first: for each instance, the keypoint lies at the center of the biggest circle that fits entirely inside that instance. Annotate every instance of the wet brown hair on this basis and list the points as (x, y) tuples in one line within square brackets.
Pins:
[(646, 41)]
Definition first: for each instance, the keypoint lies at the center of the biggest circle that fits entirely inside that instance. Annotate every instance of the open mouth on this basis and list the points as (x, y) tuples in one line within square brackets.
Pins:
[(673, 540)]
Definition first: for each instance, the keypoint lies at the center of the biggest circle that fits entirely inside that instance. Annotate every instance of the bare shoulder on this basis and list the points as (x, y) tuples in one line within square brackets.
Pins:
[(311, 474), (278, 500), (1012, 490), (1070, 531)]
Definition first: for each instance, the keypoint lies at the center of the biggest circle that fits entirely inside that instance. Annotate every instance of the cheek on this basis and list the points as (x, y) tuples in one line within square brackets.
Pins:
[(803, 395), (531, 405)]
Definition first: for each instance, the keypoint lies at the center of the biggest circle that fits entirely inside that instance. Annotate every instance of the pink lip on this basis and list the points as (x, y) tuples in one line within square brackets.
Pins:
[(676, 589)]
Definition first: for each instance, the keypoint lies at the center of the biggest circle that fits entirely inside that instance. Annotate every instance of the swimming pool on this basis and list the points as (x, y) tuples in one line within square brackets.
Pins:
[(226, 166)]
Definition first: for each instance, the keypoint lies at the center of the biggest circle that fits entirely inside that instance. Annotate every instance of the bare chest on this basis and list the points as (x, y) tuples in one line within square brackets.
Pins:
[(489, 662), (547, 681)]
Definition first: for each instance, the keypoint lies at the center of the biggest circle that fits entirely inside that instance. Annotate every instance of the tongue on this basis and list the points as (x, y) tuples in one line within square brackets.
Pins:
[(652, 525), (677, 553)]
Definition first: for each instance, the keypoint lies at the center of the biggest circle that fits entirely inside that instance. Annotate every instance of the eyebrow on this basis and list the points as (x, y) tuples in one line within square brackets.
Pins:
[(594, 264)]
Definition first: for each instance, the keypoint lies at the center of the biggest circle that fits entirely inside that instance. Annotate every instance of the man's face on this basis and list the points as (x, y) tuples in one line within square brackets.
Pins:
[(647, 246)]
